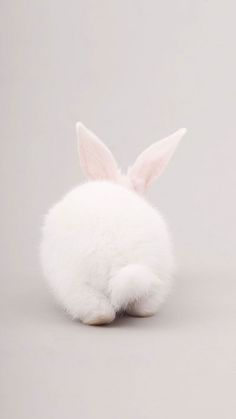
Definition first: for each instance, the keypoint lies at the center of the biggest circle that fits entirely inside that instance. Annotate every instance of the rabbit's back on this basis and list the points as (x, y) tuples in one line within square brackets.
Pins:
[(98, 228)]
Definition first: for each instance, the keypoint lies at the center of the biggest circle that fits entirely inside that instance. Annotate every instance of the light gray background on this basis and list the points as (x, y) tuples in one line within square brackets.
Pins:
[(132, 71)]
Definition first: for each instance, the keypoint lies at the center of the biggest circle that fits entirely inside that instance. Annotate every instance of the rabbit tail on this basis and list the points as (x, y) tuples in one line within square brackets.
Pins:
[(131, 284)]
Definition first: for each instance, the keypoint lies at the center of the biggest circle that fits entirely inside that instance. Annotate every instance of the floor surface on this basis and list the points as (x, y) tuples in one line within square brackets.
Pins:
[(179, 364)]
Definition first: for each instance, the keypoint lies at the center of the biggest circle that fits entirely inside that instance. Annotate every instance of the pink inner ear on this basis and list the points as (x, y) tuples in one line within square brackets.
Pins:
[(147, 168), (153, 161), (97, 162), (146, 174)]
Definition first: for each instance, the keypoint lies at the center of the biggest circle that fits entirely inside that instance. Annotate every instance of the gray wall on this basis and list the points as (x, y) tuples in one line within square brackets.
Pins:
[(133, 72)]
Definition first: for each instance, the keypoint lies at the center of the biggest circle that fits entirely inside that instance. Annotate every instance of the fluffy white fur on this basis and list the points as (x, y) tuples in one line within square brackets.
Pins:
[(104, 248)]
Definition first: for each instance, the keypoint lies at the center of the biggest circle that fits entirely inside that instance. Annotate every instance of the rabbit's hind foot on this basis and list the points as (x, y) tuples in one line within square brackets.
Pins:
[(91, 307)]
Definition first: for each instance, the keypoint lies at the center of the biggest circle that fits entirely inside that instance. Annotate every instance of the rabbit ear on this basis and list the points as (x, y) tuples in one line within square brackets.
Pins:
[(96, 160), (152, 162)]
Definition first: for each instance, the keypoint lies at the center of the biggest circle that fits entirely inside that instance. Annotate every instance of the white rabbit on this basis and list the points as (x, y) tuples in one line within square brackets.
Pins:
[(104, 248)]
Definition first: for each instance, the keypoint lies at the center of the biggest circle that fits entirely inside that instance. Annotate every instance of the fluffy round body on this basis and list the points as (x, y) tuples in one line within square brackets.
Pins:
[(105, 249)]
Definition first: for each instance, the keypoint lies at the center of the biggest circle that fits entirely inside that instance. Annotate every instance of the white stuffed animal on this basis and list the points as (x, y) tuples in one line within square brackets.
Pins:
[(104, 248)]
